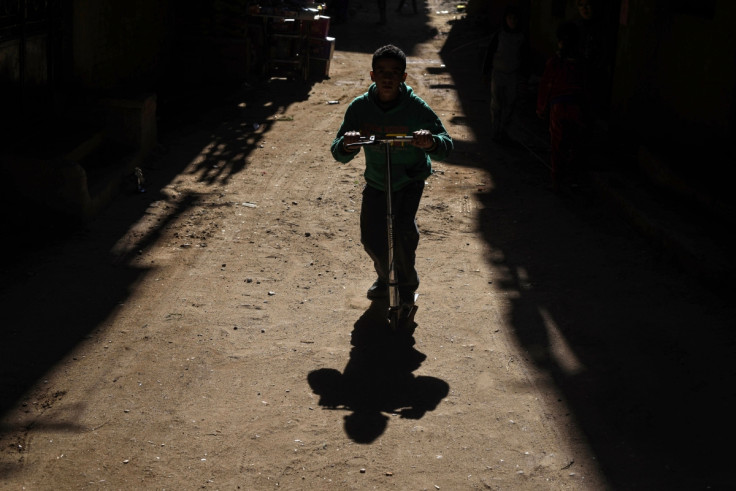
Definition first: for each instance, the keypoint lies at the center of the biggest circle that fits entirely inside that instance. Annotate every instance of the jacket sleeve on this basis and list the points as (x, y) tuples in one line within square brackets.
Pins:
[(444, 146), (443, 140), (349, 123)]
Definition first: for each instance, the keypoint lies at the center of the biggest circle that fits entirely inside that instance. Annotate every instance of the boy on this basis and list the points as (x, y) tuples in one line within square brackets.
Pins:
[(562, 91), (390, 107)]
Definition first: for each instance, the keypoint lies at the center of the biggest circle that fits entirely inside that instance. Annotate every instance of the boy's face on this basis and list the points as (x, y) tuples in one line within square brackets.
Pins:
[(512, 21), (388, 76)]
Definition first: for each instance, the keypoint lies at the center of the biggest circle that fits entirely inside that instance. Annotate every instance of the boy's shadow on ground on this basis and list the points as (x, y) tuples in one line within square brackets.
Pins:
[(378, 378)]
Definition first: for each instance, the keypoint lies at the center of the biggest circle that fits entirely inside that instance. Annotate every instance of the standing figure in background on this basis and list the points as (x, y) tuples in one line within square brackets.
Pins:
[(413, 5), (563, 92), (506, 64)]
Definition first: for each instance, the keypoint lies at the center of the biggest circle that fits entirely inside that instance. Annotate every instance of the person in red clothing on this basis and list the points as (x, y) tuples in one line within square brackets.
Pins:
[(563, 92)]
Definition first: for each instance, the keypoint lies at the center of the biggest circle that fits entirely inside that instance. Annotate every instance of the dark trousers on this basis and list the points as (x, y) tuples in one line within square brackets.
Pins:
[(374, 233)]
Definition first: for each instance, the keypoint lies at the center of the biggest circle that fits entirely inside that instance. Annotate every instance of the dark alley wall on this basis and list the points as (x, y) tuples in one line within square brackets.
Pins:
[(675, 69), (59, 54), (673, 63), (120, 44), (31, 54), (673, 74)]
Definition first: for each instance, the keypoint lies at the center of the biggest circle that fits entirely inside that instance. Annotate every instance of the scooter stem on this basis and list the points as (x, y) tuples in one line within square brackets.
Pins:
[(394, 309), (393, 283)]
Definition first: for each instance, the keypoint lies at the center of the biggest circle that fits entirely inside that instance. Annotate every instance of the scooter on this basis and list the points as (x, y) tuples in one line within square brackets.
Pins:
[(398, 315)]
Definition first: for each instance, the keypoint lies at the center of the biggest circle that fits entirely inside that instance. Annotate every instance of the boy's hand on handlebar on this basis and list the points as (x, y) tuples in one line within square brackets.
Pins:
[(423, 139), (348, 138)]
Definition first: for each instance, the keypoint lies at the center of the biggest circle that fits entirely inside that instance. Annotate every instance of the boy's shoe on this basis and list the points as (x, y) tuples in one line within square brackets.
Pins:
[(378, 289)]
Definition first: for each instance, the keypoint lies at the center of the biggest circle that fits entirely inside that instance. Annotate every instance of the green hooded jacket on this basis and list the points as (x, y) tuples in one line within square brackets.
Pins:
[(408, 163)]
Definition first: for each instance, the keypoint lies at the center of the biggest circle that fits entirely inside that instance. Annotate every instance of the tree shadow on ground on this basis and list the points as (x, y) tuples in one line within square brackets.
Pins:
[(78, 275), (378, 379), (237, 122)]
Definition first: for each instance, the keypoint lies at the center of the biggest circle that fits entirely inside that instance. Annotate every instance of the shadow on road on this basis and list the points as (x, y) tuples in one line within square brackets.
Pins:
[(641, 355), (639, 351), (378, 379), (64, 281)]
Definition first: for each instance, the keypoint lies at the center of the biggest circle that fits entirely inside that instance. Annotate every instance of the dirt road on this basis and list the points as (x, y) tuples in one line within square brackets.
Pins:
[(214, 332)]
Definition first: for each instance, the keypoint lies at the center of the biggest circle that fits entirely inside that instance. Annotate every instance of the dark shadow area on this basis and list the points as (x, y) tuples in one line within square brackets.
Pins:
[(378, 379), (66, 423), (64, 295), (639, 350), (65, 279), (442, 86), (436, 70), (238, 120)]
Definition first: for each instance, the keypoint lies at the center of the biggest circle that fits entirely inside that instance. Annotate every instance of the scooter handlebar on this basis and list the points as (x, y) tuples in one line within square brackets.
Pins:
[(374, 140)]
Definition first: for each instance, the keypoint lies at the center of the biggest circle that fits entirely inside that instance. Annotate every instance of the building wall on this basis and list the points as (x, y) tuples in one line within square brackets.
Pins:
[(674, 64), (30, 60), (120, 44), (543, 20), (676, 69)]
